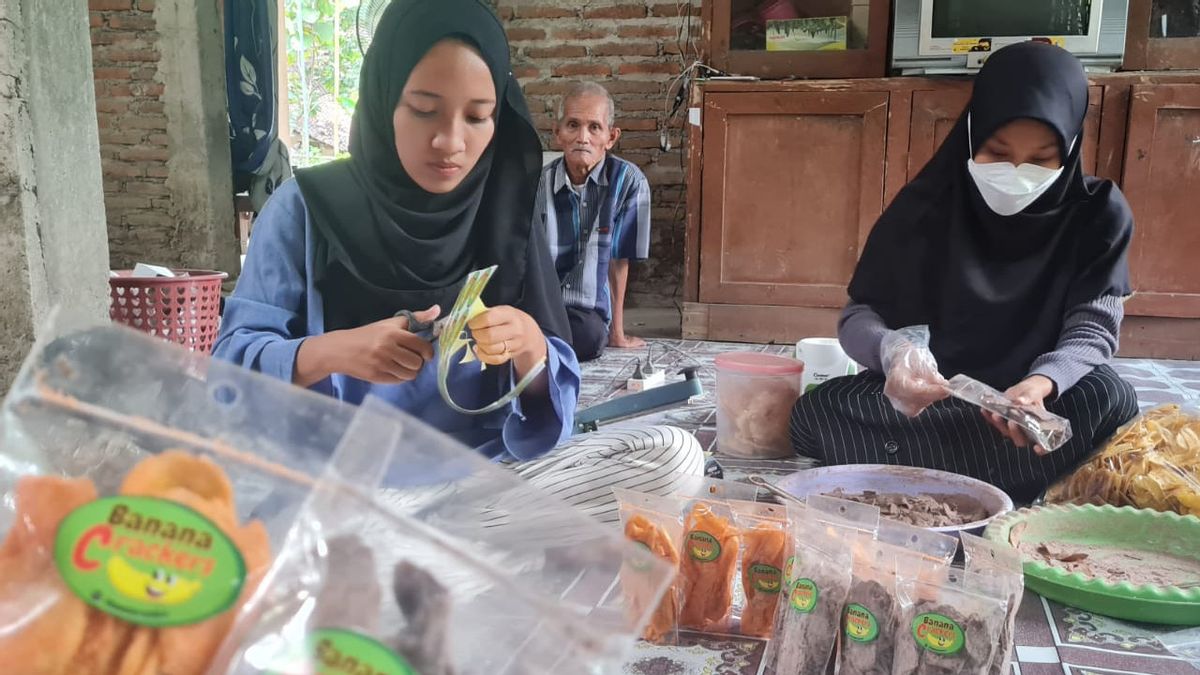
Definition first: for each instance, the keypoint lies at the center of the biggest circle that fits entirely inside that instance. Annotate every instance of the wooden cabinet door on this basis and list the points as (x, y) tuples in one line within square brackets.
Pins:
[(793, 182), (934, 113), (1161, 182)]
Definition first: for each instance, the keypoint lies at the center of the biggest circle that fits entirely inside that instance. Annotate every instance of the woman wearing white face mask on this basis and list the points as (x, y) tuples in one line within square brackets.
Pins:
[(1017, 264)]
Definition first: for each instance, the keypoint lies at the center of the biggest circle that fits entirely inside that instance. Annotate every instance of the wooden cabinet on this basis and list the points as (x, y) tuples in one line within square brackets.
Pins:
[(791, 240), (787, 178), (737, 37), (1162, 184)]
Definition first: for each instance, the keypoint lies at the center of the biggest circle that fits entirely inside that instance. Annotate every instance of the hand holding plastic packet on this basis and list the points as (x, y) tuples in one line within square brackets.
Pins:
[(913, 381), (1151, 463), (460, 568), (1043, 427), (197, 470)]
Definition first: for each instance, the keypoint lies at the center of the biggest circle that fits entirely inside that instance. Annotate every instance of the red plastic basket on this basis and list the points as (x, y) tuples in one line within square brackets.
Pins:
[(184, 310)]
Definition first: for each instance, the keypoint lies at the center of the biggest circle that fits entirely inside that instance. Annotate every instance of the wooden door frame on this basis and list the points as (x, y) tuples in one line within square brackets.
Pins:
[(1143, 52)]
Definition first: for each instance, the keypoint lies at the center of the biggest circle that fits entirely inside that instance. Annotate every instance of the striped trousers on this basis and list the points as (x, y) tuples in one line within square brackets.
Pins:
[(584, 470), (849, 421)]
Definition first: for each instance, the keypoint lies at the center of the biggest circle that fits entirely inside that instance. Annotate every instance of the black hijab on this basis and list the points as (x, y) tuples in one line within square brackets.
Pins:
[(994, 289), (383, 243)]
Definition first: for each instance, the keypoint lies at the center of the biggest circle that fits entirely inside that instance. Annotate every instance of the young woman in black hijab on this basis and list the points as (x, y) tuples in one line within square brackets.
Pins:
[(1016, 262), (440, 181)]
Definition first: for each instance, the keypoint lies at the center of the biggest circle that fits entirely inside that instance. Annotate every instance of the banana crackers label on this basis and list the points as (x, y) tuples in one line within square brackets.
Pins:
[(148, 561)]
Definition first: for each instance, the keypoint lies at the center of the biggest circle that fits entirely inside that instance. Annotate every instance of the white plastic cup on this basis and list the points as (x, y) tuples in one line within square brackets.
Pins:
[(823, 360)]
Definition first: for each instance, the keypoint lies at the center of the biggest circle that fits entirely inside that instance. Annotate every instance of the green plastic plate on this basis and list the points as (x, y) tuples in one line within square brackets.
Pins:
[(1123, 527)]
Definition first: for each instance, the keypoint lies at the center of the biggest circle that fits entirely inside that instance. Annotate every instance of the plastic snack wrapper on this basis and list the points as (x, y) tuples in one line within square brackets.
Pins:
[(817, 580), (709, 555), (1003, 563), (948, 622), (909, 365), (145, 489), (407, 584), (766, 546), (1184, 644), (654, 522), (1151, 463), (1043, 427), (868, 635)]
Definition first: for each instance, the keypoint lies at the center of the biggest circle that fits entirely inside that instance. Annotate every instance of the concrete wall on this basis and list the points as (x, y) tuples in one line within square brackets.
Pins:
[(53, 245), (633, 48), (160, 102)]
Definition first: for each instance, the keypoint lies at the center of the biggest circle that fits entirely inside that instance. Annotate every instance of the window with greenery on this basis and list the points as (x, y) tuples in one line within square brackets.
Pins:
[(323, 62)]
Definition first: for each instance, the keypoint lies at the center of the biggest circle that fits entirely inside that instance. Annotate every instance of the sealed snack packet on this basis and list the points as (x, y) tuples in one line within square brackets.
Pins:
[(1003, 563), (139, 506), (711, 545), (486, 574), (809, 616), (1151, 463), (653, 522), (869, 630), (948, 623), (766, 546), (1045, 428)]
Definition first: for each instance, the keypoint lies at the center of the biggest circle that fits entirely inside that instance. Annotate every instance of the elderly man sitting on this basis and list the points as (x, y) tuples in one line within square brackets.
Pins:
[(595, 209)]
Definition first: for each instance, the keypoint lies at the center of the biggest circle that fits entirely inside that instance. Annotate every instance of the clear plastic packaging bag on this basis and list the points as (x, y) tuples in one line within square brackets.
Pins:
[(1002, 563), (652, 521), (766, 546), (809, 615), (404, 585), (1043, 427), (1151, 463), (711, 552), (145, 489), (948, 622)]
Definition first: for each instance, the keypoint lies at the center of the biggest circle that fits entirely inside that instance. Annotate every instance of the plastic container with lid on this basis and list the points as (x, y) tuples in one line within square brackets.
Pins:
[(755, 395)]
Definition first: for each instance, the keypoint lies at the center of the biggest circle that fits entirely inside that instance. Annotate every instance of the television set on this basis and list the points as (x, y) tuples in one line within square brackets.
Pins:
[(956, 36)]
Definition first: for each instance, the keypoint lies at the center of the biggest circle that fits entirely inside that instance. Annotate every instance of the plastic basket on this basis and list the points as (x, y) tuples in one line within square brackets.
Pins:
[(185, 310)]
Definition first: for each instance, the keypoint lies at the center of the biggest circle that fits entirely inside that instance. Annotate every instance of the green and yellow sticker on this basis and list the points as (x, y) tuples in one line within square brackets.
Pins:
[(861, 625), (939, 634), (148, 561), (804, 596), (703, 546)]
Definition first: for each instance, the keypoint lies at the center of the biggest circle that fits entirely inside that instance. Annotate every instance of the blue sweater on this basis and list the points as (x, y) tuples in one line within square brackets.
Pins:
[(275, 307)]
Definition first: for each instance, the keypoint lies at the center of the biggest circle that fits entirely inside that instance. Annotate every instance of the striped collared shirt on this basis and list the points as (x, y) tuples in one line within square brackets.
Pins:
[(608, 217)]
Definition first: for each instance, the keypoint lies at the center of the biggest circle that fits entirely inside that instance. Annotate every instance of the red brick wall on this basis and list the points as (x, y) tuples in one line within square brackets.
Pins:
[(632, 47), (134, 146)]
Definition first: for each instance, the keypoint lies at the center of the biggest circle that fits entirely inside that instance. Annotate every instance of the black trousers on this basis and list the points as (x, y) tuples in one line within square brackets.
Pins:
[(849, 421), (589, 333)]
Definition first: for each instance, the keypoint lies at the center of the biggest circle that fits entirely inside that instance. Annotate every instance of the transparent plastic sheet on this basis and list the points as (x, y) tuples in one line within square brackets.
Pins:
[(1045, 428), (1003, 563), (1183, 644), (766, 546), (817, 581), (1151, 463), (513, 602), (170, 443), (547, 548)]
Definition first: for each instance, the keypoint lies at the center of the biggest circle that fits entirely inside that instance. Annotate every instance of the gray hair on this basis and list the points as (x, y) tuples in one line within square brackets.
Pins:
[(582, 89)]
